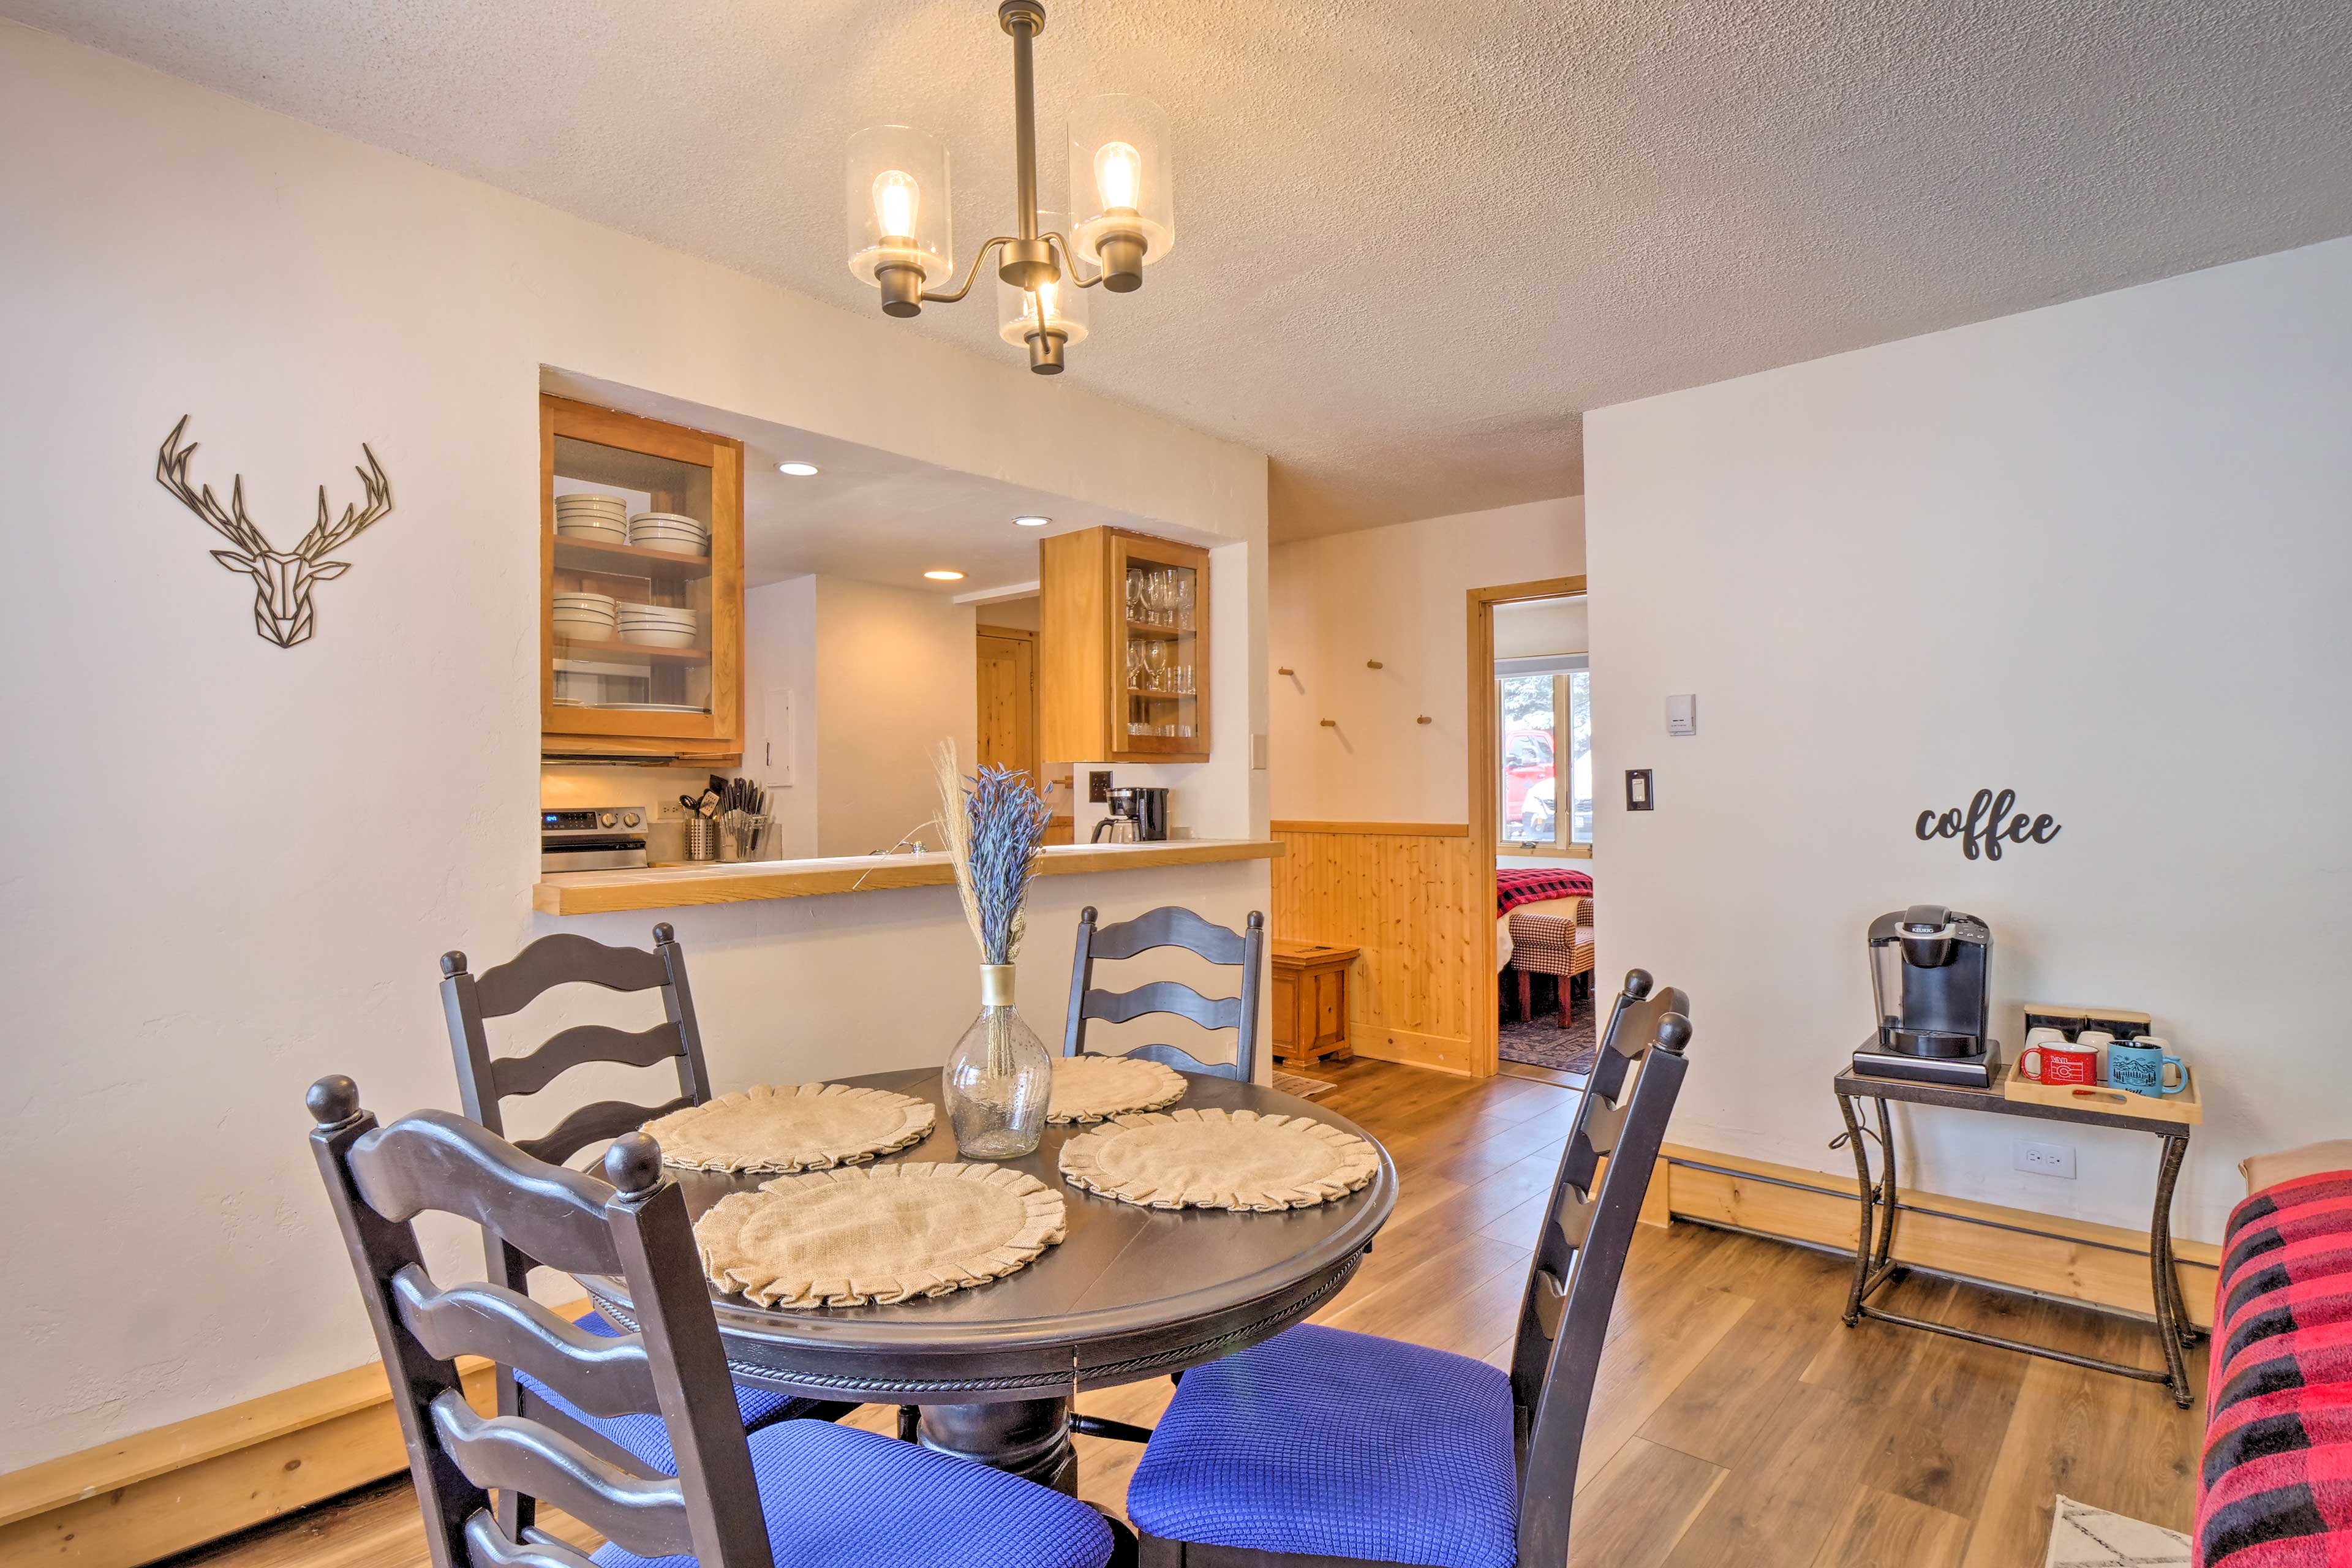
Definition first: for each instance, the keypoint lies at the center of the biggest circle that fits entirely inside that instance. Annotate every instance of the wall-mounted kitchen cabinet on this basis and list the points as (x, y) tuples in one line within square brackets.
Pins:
[(1122, 648), (641, 587)]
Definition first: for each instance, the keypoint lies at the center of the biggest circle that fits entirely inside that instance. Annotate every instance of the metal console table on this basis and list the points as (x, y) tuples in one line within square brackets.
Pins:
[(2169, 1120)]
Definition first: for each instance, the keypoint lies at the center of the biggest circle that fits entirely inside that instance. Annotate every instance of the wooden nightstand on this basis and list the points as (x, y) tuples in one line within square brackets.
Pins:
[(1311, 1001)]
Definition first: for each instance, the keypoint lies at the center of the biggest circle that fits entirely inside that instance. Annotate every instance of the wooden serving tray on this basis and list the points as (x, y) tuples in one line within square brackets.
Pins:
[(2186, 1107)]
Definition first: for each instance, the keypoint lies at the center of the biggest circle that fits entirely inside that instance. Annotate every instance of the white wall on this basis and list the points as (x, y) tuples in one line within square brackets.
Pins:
[(779, 706), (2097, 554), (897, 673), (334, 817), (1395, 594)]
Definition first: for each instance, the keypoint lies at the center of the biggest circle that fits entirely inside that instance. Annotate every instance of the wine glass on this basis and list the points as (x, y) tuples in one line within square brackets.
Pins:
[(1155, 664)]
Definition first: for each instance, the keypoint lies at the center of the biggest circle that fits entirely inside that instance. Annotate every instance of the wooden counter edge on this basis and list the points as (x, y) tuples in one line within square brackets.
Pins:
[(591, 893)]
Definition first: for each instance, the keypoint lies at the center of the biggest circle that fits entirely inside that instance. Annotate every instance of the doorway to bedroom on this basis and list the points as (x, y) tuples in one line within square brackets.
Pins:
[(1531, 793)]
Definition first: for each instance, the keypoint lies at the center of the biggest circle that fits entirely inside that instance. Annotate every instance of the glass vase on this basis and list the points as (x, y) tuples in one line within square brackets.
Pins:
[(1000, 1077)]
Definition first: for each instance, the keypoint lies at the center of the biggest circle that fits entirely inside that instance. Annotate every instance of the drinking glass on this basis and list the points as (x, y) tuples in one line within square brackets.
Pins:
[(1155, 664)]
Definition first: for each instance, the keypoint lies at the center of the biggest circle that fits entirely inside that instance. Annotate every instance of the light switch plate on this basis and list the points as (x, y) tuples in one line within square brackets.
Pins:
[(1638, 793), (1099, 786)]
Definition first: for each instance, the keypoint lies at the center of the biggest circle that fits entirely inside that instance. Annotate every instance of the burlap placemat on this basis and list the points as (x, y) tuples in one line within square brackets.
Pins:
[(1095, 1088), (1219, 1160), (796, 1127), (879, 1232)]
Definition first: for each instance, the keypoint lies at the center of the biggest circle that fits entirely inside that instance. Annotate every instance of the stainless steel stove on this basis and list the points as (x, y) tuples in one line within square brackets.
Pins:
[(593, 838)]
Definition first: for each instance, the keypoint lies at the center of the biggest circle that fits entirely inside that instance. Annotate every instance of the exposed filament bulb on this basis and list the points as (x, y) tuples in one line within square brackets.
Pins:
[(895, 201), (1119, 176)]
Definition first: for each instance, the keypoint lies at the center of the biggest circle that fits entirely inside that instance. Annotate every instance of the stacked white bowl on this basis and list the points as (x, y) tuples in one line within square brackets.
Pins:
[(659, 626), (669, 531), (603, 518), (592, 616)]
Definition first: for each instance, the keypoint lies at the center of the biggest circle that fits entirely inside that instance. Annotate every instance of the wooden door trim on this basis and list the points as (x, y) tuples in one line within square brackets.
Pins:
[(1486, 1042)]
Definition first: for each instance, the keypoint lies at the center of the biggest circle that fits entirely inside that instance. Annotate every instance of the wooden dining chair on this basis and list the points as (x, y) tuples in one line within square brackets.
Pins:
[(1319, 1447), (485, 1081), (1171, 926), (803, 1494)]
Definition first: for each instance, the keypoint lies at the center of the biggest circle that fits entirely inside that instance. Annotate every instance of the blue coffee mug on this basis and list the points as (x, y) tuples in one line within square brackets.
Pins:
[(2140, 1066)]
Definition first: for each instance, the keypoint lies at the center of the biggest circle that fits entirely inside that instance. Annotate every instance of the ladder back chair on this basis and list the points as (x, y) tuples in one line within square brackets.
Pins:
[(1320, 1448), (1171, 926), (485, 1081), (468, 1000), (803, 1494)]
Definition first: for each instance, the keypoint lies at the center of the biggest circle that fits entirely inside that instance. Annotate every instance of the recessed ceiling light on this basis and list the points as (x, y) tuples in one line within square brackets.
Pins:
[(797, 470), (944, 575), (1033, 522)]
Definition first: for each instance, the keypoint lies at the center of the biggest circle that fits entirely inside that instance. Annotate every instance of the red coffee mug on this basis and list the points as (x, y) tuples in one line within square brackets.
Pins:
[(2058, 1064)]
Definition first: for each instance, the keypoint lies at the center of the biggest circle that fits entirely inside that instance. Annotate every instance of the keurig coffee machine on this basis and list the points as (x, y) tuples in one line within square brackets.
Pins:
[(1931, 971)]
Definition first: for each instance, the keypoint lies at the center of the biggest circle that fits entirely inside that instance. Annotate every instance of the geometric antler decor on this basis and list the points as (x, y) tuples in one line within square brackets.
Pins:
[(282, 581)]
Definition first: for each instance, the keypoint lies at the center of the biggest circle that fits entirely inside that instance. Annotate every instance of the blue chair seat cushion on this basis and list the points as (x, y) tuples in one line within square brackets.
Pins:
[(834, 1497), (644, 1434), (1326, 1443)]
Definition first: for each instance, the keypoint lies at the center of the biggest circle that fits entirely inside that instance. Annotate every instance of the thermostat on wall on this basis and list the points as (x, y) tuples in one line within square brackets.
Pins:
[(1682, 714)]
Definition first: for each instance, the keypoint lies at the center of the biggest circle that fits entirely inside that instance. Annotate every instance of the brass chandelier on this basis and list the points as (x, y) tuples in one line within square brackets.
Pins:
[(901, 241)]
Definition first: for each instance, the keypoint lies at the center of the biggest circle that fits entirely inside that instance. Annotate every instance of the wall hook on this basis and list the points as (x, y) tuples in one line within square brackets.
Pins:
[(1284, 669), (1374, 664), (1424, 719), (1330, 723)]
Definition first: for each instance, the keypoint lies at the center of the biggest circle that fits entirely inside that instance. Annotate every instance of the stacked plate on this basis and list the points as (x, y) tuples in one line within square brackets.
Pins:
[(603, 519), (592, 616), (658, 626), (669, 531)]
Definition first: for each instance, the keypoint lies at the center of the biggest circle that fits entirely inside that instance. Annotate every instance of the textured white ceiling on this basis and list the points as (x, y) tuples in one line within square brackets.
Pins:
[(1414, 238)]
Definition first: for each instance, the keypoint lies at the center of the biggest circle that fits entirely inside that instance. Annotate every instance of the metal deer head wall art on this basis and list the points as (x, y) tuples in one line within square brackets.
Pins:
[(282, 579)]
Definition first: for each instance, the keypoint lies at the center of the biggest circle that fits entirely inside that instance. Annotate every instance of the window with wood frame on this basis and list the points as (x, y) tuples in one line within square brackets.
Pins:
[(1544, 762)]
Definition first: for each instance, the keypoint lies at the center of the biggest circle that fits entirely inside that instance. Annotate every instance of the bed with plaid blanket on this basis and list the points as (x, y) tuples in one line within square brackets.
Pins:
[(1539, 884), (2275, 1490)]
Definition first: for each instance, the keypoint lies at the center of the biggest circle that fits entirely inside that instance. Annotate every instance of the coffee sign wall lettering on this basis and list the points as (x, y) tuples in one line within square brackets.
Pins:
[(1989, 823)]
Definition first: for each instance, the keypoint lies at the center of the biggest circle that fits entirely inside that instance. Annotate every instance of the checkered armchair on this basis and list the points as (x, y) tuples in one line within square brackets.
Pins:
[(1319, 1447), (1551, 942)]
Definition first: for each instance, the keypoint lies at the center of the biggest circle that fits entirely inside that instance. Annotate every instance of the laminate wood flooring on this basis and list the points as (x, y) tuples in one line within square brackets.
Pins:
[(1737, 1423)]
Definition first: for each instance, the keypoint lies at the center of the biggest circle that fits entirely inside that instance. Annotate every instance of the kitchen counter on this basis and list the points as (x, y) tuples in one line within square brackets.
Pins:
[(673, 887)]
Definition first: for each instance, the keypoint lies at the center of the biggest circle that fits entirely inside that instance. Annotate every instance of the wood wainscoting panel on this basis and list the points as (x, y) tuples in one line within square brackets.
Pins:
[(1406, 893)]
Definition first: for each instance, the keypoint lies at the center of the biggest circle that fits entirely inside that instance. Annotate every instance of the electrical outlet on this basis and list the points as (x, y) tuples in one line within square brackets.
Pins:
[(2045, 1159)]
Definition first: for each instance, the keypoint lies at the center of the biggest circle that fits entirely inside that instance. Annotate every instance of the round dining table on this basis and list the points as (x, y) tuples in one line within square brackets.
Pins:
[(1130, 1293)]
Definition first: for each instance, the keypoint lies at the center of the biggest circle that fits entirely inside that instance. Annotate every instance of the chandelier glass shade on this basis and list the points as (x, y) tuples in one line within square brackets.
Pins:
[(897, 205), (1121, 190)]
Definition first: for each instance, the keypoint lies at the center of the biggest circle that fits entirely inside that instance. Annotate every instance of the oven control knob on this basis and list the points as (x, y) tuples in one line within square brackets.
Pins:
[(630, 819), (608, 819)]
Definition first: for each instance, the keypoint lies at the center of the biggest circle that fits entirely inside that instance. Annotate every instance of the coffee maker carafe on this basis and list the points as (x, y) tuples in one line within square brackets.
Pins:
[(1931, 975), (1137, 816)]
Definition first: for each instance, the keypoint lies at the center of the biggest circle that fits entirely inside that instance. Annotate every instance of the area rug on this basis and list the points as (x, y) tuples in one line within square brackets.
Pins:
[(1540, 1042), (2082, 1536), (1290, 1083)]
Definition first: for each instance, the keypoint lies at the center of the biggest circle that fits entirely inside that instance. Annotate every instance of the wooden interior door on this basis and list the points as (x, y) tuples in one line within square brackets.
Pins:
[(1008, 700)]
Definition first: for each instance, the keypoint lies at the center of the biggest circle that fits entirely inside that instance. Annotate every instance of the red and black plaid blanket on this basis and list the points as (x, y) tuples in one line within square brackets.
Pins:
[(2277, 1487), (1513, 889)]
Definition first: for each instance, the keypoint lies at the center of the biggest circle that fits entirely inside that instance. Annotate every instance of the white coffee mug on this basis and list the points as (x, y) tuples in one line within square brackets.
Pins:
[(2096, 1040)]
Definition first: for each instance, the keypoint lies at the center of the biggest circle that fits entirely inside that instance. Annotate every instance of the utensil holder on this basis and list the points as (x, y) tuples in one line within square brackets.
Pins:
[(735, 835), (701, 839)]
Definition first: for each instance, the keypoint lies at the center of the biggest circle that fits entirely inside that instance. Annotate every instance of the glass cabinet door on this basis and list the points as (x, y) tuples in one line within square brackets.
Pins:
[(631, 596), (1164, 694), (644, 581)]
